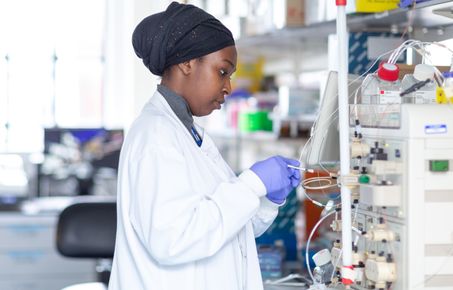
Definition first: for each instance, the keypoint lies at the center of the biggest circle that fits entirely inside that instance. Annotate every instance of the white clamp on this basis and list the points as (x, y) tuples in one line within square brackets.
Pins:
[(350, 180)]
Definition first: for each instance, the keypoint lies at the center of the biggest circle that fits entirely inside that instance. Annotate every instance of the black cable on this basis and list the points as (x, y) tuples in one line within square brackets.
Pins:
[(414, 87)]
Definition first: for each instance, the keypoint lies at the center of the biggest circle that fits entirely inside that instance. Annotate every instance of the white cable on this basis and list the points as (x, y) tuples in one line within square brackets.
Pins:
[(356, 230), (327, 180), (356, 211), (307, 260), (286, 279), (335, 265)]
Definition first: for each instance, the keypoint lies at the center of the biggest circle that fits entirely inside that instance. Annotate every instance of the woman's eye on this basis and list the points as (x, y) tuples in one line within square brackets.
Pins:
[(223, 72)]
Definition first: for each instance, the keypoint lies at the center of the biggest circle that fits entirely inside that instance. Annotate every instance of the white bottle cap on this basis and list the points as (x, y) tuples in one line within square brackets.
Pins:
[(322, 257), (423, 72)]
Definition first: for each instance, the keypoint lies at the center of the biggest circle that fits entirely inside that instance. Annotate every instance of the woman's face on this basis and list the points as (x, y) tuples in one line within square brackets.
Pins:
[(209, 81)]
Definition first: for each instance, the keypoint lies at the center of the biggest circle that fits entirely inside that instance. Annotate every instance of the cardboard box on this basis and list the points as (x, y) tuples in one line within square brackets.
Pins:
[(295, 13), (288, 13), (409, 69)]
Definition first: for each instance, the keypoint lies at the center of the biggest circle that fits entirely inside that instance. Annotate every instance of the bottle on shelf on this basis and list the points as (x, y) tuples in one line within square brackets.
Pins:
[(425, 94), (382, 87), (448, 86)]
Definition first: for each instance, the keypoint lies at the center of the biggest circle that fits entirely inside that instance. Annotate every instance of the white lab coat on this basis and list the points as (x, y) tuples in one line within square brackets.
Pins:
[(185, 221)]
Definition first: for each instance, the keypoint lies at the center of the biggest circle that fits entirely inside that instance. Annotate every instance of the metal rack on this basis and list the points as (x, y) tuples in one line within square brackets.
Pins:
[(427, 15)]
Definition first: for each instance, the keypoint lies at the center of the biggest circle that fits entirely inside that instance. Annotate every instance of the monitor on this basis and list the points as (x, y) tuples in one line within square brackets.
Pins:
[(324, 146), (79, 161), (99, 146)]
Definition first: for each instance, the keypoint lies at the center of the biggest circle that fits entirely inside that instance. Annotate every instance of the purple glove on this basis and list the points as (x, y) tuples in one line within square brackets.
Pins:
[(277, 177)]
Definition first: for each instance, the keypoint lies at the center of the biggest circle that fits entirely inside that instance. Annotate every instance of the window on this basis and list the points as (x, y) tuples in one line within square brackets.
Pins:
[(51, 68)]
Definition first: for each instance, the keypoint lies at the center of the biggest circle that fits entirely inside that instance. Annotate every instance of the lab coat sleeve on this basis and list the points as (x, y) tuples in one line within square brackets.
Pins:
[(175, 223), (265, 216)]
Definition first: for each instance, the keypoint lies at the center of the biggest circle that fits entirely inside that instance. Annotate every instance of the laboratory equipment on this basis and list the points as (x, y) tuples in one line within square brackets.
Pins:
[(324, 267), (404, 201), (382, 87), (405, 185), (323, 145), (401, 183), (73, 157), (300, 168), (425, 92)]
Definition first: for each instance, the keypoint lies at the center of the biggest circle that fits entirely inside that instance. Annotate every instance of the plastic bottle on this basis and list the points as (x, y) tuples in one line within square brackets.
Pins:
[(448, 85), (383, 87), (324, 268), (427, 93)]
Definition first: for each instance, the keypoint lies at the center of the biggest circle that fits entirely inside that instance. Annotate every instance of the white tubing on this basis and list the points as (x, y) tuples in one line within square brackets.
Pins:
[(343, 105), (307, 248)]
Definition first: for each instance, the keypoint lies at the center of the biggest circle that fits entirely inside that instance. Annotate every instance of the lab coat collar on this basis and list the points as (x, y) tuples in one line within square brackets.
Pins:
[(159, 102), (178, 105)]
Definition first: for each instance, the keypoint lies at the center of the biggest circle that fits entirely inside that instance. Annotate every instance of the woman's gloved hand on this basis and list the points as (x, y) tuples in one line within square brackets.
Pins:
[(278, 178)]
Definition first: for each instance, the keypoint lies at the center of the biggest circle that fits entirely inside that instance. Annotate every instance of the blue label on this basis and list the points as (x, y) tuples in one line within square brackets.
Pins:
[(196, 136), (436, 129)]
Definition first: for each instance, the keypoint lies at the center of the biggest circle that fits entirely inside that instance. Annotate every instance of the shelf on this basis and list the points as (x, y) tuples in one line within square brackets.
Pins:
[(420, 17)]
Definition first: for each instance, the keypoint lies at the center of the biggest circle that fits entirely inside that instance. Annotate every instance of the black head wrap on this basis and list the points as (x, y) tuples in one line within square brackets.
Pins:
[(180, 33)]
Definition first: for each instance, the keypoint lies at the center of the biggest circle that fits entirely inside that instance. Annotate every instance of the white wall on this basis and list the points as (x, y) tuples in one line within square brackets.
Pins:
[(128, 83)]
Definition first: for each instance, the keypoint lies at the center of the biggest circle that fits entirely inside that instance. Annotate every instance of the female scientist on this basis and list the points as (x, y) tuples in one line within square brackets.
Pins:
[(185, 220)]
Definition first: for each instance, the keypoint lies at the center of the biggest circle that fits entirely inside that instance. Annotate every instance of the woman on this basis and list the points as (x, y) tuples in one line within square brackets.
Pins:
[(185, 220)]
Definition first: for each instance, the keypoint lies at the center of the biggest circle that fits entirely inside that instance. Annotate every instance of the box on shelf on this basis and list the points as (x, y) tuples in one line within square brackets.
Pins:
[(372, 5), (288, 13), (361, 6), (254, 121), (409, 69), (294, 12), (249, 74)]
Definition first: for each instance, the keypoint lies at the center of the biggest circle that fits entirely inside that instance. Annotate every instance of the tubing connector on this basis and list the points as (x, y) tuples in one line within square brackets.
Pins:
[(347, 275)]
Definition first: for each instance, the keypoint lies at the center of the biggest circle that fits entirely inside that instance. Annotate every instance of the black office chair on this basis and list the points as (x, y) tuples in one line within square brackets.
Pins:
[(88, 230)]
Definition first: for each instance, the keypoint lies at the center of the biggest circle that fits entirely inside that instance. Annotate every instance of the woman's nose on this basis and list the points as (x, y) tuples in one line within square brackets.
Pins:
[(227, 87)]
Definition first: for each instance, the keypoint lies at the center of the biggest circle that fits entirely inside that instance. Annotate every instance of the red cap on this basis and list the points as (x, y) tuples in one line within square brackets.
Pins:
[(341, 2), (388, 71)]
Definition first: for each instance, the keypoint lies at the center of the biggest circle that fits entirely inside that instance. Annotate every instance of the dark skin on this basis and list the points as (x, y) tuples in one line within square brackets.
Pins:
[(203, 82)]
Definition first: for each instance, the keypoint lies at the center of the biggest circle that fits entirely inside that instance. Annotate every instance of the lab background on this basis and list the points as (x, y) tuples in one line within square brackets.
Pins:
[(70, 86)]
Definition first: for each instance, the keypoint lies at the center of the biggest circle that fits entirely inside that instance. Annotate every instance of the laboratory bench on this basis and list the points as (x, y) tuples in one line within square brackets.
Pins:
[(29, 259), (280, 287), (28, 256)]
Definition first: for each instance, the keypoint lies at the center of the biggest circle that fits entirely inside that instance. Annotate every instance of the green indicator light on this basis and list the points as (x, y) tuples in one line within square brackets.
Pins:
[(364, 179), (438, 165)]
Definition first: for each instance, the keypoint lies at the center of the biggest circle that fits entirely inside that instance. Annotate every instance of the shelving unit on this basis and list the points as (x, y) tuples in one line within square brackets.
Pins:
[(423, 16), (305, 49)]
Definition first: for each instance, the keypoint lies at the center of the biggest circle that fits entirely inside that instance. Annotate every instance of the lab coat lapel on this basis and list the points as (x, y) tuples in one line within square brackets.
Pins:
[(209, 152)]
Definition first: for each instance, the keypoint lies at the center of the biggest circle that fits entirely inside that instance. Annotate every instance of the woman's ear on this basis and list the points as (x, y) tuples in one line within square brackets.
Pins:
[(186, 67)]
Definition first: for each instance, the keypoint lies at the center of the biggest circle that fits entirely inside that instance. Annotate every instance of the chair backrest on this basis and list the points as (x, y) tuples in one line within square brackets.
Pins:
[(87, 230)]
